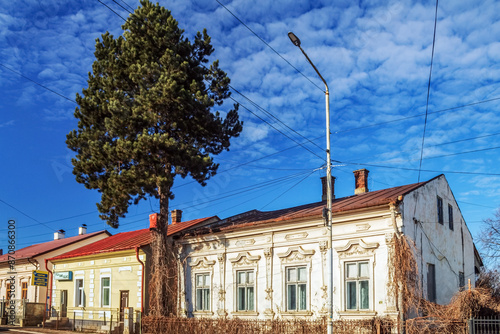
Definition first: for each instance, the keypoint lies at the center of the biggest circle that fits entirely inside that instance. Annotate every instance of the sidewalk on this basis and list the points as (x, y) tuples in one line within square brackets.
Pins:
[(17, 329)]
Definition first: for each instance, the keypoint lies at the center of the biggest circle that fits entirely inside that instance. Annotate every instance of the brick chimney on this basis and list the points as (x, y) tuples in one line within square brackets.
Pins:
[(176, 216), (153, 221), (82, 229), (324, 186), (59, 234), (361, 181)]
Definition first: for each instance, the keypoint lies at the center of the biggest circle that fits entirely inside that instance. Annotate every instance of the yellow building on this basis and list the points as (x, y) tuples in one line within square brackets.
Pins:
[(33, 258), (96, 282)]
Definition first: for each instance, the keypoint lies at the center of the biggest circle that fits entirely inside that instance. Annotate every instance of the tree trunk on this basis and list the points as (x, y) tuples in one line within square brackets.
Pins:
[(163, 279)]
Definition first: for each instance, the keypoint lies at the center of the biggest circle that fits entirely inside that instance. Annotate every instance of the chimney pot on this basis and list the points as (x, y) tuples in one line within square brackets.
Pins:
[(176, 216), (361, 181), (325, 186), (59, 234), (82, 229), (153, 221)]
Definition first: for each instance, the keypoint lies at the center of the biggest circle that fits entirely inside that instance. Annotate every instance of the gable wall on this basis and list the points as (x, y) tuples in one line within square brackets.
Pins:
[(436, 243)]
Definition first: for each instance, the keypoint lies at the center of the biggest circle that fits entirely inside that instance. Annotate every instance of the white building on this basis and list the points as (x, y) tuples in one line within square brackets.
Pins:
[(274, 264)]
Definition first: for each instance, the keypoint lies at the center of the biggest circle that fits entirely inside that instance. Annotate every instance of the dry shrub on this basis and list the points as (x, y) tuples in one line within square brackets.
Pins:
[(431, 325), (163, 277), (160, 325), (490, 279), (403, 284), (465, 305)]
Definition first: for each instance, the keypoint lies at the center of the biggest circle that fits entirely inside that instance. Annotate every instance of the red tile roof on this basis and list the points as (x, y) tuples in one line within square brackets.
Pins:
[(45, 247), (127, 240), (360, 201)]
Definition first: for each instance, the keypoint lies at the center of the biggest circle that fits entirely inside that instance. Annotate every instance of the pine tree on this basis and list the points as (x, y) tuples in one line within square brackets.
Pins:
[(146, 117)]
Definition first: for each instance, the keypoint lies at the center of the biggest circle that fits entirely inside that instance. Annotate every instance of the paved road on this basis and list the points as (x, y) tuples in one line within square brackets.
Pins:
[(34, 330)]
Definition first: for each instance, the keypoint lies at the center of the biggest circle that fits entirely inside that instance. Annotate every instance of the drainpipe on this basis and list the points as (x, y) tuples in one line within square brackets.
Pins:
[(36, 265), (392, 207), (47, 292), (142, 279)]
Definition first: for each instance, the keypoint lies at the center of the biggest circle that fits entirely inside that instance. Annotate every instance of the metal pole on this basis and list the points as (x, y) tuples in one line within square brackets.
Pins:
[(329, 199)]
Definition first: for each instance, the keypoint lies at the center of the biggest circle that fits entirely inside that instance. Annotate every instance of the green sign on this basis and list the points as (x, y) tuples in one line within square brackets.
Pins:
[(63, 276)]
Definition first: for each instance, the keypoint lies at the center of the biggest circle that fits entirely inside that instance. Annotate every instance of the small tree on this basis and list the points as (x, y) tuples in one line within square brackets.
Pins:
[(490, 279), (490, 239), (145, 117)]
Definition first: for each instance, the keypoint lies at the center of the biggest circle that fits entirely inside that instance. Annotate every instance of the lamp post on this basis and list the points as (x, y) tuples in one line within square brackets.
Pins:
[(296, 41)]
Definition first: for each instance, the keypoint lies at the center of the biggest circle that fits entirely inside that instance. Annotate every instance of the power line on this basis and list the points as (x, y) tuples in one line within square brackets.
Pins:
[(416, 169), (274, 117), (465, 152), (258, 186), (37, 83), (113, 10), (296, 184), (26, 215), (126, 4), (428, 89), (268, 113), (418, 115), (272, 126), (269, 46), (437, 145)]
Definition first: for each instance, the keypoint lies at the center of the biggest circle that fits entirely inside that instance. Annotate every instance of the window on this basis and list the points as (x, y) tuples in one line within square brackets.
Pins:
[(431, 282), (79, 293), (296, 288), (450, 216), (461, 280), (245, 290), (7, 292), (202, 292), (105, 291), (24, 290), (357, 281), (440, 210)]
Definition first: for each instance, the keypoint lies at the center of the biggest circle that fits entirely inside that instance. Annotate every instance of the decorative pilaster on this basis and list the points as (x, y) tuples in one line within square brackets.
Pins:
[(222, 312), (268, 253), (323, 248)]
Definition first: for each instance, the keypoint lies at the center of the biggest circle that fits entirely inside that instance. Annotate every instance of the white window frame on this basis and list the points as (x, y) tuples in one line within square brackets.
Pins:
[(245, 286), (296, 256), (206, 306), (101, 290), (79, 293), (296, 283), (201, 265), (357, 280)]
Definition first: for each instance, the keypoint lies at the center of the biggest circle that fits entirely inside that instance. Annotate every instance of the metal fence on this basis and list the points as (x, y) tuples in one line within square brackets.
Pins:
[(102, 321), (486, 325), (161, 325)]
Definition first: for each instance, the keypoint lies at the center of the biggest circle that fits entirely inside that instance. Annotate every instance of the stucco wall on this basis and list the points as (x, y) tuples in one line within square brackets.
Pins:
[(270, 250), (449, 250), (24, 269), (122, 268)]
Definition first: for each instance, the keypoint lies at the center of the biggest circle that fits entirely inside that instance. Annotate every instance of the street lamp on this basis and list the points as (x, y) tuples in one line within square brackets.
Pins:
[(296, 41)]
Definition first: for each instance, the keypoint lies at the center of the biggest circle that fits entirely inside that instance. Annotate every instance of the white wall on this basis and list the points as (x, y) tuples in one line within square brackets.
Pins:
[(362, 235), (437, 243), (357, 236)]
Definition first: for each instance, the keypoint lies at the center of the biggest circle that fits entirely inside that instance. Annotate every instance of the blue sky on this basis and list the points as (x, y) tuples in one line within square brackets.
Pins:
[(374, 55)]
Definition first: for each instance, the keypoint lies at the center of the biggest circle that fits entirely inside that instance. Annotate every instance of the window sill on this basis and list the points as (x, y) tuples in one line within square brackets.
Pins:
[(203, 313), (245, 313), (353, 313), (297, 313)]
